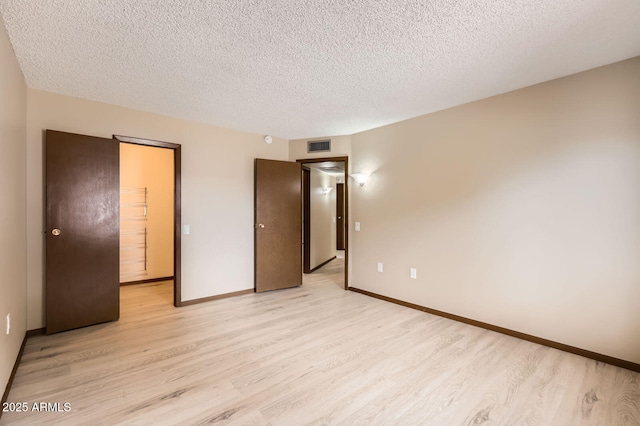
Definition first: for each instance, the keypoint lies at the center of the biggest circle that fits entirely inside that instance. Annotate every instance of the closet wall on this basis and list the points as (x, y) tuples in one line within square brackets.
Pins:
[(146, 214)]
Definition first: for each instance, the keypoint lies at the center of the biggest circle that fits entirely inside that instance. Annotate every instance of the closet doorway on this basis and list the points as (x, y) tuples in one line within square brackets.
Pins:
[(82, 220), (150, 216)]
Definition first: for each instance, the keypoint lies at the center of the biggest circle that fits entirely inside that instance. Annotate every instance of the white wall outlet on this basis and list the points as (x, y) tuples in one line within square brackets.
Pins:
[(414, 273), (357, 226), (334, 219), (8, 323), (379, 266), (186, 229)]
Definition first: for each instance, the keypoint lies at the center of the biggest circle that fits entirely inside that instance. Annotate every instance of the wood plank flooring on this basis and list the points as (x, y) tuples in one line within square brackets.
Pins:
[(314, 355)]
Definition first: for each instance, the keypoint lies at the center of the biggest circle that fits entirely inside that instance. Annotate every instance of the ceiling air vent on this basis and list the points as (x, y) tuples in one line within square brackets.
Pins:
[(319, 146)]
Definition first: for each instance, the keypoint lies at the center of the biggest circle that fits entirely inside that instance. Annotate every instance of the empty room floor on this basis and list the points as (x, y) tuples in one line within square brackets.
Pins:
[(310, 355)]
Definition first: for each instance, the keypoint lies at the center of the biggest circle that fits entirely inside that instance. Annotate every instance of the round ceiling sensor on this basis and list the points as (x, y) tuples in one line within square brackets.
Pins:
[(268, 139)]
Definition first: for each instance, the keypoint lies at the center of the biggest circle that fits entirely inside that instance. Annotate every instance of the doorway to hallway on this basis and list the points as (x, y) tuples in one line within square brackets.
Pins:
[(325, 214)]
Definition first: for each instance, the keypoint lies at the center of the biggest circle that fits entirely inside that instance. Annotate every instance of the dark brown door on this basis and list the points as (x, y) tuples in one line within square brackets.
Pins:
[(82, 230), (340, 216), (278, 225)]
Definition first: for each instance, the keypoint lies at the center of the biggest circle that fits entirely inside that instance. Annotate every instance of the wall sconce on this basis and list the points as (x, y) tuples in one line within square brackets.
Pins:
[(326, 190), (361, 178)]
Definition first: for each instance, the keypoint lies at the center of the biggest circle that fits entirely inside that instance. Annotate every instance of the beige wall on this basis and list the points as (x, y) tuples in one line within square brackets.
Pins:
[(13, 108), (322, 214), (217, 189), (521, 210), (151, 168)]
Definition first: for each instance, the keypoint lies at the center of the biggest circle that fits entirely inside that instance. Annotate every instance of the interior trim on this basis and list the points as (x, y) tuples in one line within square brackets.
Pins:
[(306, 220), (322, 264), (147, 281), (539, 340), (177, 213), (37, 332), (217, 297), (5, 395)]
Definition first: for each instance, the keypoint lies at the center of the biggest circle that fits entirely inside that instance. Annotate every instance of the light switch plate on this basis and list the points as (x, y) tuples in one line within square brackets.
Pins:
[(414, 273), (186, 229), (379, 266), (357, 226)]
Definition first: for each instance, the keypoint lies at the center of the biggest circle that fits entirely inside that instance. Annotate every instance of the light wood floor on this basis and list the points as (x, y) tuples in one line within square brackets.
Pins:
[(311, 355)]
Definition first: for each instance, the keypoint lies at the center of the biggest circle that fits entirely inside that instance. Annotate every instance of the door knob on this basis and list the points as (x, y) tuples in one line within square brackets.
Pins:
[(260, 225), (55, 232)]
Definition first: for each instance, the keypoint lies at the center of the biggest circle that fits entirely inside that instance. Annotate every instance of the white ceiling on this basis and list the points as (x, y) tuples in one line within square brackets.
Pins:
[(303, 68)]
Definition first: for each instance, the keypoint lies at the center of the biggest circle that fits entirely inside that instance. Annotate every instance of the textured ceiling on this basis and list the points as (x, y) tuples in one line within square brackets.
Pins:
[(302, 68)]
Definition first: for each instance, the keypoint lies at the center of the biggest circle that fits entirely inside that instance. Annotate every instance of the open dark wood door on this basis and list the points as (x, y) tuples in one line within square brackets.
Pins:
[(82, 230), (278, 225)]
